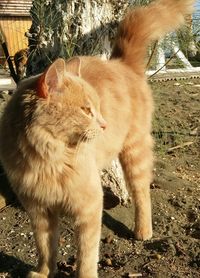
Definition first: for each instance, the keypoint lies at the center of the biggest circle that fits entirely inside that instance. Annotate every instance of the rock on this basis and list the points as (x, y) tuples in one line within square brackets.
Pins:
[(3, 202)]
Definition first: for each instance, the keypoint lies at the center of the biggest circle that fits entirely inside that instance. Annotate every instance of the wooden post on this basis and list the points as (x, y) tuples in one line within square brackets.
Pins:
[(8, 59)]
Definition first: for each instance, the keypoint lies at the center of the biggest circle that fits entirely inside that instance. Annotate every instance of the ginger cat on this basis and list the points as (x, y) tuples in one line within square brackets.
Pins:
[(63, 126), (20, 60)]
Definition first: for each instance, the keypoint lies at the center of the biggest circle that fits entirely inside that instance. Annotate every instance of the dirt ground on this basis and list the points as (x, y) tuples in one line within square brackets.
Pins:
[(174, 250)]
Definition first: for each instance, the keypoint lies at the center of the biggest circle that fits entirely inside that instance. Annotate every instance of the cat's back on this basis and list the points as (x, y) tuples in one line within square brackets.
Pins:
[(125, 100), (114, 80), (109, 75)]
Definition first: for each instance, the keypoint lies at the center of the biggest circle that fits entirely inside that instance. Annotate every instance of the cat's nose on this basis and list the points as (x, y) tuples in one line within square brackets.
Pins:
[(103, 125)]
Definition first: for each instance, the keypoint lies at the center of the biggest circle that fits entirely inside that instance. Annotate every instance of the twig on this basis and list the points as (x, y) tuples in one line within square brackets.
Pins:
[(180, 146), (191, 133), (130, 275), (152, 54), (164, 64), (5, 207)]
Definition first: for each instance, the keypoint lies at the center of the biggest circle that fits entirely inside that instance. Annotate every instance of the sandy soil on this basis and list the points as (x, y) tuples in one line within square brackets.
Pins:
[(174, 250)]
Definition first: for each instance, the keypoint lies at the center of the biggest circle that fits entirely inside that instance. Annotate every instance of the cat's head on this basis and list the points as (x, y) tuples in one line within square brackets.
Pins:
[(70, 107)]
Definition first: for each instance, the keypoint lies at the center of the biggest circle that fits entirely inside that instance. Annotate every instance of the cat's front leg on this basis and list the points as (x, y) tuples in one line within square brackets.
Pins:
[(88, 216), (45, 228)]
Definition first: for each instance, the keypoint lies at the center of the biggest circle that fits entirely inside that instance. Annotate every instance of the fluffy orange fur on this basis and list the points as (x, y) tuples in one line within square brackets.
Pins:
[(62, 127)]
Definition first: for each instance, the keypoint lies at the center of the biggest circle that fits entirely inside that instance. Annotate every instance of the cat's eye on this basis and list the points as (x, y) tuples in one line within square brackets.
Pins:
[(87, 110)]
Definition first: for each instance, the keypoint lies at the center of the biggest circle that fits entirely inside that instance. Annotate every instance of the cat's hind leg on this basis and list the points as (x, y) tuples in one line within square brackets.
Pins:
[(45, 228), (137, 162)]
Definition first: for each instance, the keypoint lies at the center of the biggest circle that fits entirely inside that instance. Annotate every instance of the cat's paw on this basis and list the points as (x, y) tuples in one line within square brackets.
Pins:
[(33, 274), (143, 234)]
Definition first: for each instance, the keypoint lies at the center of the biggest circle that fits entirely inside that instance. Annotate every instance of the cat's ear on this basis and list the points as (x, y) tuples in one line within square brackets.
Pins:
[(51, 79), (73, 65)]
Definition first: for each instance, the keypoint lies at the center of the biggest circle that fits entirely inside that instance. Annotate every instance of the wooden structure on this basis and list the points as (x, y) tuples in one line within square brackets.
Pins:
[(14, 22)]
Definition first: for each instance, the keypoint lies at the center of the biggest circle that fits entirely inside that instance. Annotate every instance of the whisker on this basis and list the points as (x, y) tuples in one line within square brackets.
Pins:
[(85, 137), (82, 138), (78, 147)]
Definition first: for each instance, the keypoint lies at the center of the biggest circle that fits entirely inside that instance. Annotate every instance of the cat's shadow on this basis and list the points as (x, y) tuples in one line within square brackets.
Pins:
[(14, 266), (116, 226), (6, 194)]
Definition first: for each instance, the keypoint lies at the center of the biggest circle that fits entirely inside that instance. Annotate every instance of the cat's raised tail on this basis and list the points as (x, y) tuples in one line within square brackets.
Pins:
[(144, 24)]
